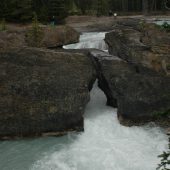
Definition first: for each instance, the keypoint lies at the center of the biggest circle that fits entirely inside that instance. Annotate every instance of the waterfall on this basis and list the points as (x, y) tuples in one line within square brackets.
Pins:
[(90, 40)]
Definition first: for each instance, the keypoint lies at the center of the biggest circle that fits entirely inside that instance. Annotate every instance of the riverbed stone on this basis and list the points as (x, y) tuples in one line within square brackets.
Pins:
[(43, 92)]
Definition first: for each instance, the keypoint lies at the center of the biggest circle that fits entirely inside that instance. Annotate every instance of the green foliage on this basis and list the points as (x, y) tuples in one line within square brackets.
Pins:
[(35, 35), (142, 25), (166, 26), (3, 25), (162, 114), (102, 7), (73, 9), (19, 11), (168, 66), (165, 160), (57, 10), (22, 10), (43, 14)]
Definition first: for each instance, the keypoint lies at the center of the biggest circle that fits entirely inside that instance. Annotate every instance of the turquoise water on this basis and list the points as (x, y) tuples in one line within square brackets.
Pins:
[(105, 145)]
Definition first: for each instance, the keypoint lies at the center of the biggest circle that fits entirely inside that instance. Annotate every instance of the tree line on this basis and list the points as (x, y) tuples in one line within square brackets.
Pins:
[(22, 11)]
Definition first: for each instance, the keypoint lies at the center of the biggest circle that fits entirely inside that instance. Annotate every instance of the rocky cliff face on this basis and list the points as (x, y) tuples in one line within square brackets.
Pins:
[(43, 91), (143, 88), (143, 45)]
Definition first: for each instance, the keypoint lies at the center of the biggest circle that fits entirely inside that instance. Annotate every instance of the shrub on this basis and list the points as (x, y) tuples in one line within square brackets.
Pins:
[(3, 25), (165, 160), (35, 35), (166, 26)]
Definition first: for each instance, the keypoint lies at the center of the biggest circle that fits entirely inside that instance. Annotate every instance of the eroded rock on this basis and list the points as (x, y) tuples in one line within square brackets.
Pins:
[(143, 90), (147, 46), (43, 92)]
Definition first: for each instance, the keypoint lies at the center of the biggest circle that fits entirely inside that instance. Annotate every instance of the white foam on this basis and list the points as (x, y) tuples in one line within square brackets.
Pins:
[(105, 144), (90, 40)]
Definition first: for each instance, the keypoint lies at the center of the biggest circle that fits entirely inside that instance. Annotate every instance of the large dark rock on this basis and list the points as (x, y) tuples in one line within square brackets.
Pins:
[(145, 47), (48, 37), (140, 97), (144, 92), (43, 92)]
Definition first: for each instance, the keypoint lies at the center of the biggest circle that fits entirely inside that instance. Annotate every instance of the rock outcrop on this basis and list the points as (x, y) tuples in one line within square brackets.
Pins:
[(141, 44), (43, 92), (142, 87), (59, 36), (52, 37)]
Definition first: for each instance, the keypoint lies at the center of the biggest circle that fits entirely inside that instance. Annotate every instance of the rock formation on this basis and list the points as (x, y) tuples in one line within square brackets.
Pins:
[(53, 37), (43, 92), (143, 90)]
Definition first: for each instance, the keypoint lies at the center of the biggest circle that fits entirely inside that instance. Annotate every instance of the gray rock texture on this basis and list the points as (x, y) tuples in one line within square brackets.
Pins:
[(143, 45), (142, 86), (43, 92)]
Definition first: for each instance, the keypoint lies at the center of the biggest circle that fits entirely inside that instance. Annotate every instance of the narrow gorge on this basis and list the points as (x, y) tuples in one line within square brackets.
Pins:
[(52, 77)]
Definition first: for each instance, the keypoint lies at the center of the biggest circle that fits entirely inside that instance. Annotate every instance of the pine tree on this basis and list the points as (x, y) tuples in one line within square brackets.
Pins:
[(101, 7), (57, 10), (145, 7), (21, 10), (165, 160), (35, 35), (3, 25)]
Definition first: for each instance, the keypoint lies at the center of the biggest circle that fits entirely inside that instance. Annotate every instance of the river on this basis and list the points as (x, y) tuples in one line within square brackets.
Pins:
[(105, 144)]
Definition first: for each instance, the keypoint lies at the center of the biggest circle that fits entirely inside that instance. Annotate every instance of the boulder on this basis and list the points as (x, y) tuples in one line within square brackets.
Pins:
[(142, 94), (140, 97), (49, 37), (143, 45), (43, 92), (59, 36)]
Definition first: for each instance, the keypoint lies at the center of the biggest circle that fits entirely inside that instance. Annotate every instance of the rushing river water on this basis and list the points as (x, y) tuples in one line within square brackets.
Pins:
[(161, 22), (105, 144), (90, 40)]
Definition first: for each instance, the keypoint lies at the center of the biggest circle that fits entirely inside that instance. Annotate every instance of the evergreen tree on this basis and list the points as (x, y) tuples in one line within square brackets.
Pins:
[(21, 10), (145, 7), (57, 10), (165, 160), (3, 25), (102, 7), (40, 7), (35, 35)]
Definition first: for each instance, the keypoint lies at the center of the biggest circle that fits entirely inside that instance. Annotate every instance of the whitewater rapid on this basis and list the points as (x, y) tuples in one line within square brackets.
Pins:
[(90, 40), (104, 145)]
